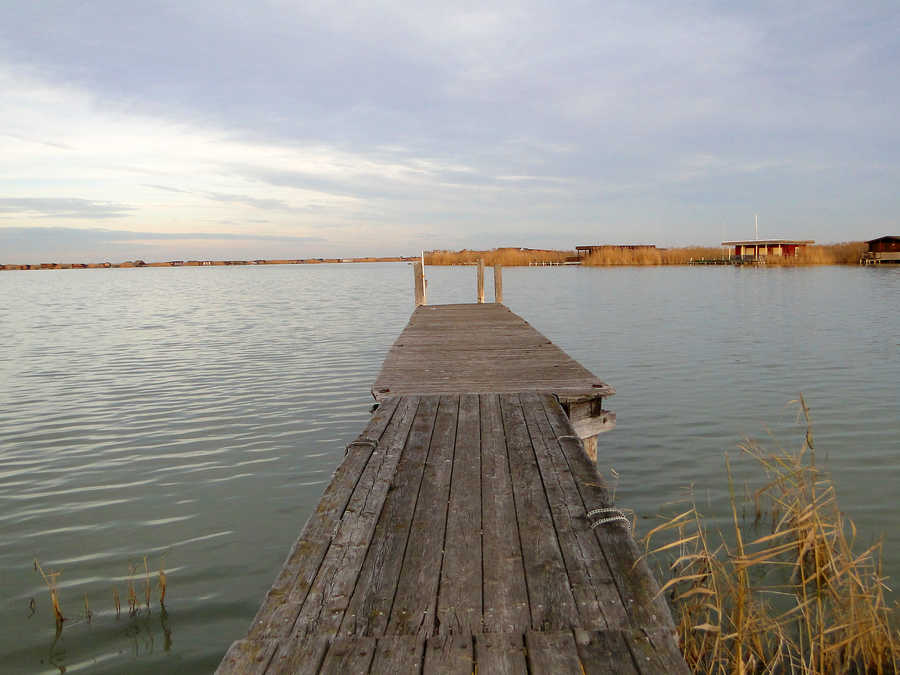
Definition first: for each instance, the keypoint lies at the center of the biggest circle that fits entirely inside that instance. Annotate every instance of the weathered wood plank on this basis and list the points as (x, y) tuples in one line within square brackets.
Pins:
[(370, 605), (552, 653), (324, 605), (449, 654), (398, 655), (415, 603), (598, 600), (248, 657), (634, 581), (550, 597), (505, 592), (604, 653), (282, 603), (656, 652), (459, 595), (299, 657), (349, 655), (500, 653)]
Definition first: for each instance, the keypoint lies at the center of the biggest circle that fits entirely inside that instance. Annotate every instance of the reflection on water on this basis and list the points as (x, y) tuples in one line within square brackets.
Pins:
[(136, 636), (198, 414)]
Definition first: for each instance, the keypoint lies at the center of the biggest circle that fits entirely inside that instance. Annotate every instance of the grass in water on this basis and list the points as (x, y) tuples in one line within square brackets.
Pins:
[(133, 602), (162, 584), (50, 581), (799, 598), (132, 596), (146, 584)]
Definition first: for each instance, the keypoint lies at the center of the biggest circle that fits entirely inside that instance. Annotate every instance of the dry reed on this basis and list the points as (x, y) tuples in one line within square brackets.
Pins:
[(162, 584), (799, 599), (146, 584), (50, 578), (132, 596), (50, 581), (509, 257), (647, 255), (845, 253)]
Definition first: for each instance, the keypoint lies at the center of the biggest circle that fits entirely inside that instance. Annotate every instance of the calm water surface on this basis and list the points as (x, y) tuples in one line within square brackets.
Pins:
[(193, 416)]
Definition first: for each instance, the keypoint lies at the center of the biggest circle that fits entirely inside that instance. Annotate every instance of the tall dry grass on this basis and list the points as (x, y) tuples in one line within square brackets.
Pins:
[(844, 253), (652, 256), (509, 257), (799, 598)]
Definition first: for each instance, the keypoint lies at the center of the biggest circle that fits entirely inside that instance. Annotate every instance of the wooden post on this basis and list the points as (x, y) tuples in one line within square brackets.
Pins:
[(481, 280), (498, 283), (419, 278)]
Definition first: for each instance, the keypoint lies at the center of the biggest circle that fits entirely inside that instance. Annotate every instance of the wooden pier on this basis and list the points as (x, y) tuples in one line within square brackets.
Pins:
[(448, 349), (466, 529)]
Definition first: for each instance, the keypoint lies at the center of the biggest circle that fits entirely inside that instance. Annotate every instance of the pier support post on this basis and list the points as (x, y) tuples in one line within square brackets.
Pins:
[(589, 420), (480, 293), (419, 278), (498, 283)]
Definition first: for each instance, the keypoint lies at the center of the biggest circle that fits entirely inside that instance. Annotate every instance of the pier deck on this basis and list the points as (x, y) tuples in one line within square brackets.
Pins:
[(480, 348), (455, 536), (455, 533)]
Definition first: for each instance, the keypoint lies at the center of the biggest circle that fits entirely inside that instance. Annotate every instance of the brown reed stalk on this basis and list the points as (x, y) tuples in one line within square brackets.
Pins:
[(132, 596), (146, 584), (118, 606), (799, 598), (50, 581), (162, 584)]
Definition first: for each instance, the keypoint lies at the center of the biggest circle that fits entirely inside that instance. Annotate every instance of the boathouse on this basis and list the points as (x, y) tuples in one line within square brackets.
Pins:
[(884, 249), (760, 249)]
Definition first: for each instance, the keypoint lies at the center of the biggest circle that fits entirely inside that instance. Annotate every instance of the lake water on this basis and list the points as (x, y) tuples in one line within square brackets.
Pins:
[(193, 416)]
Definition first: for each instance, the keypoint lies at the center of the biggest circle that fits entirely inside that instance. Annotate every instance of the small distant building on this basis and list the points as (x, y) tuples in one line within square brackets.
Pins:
[(884, 249), (760, 249)]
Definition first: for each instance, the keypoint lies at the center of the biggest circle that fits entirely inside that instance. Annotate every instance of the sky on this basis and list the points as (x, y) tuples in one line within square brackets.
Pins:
[(221, 129)]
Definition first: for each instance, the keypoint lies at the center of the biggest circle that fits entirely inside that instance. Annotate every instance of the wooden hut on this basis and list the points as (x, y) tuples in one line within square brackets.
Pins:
[(884, 249), (760, 249)]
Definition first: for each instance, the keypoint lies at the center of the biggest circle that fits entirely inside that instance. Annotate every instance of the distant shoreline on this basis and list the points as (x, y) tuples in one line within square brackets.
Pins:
[(201, 263), (846, 253)]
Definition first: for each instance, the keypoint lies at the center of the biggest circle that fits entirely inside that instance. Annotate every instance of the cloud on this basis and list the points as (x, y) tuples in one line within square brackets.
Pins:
[(29, 245), (103, 235), (62, 207), (618, 120), (266, 204), (166, 188)]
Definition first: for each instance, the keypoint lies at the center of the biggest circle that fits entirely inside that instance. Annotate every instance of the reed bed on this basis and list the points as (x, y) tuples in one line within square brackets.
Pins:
[(647, 255), (794, 596), (508, 257), (50, 579), (844, 253)]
